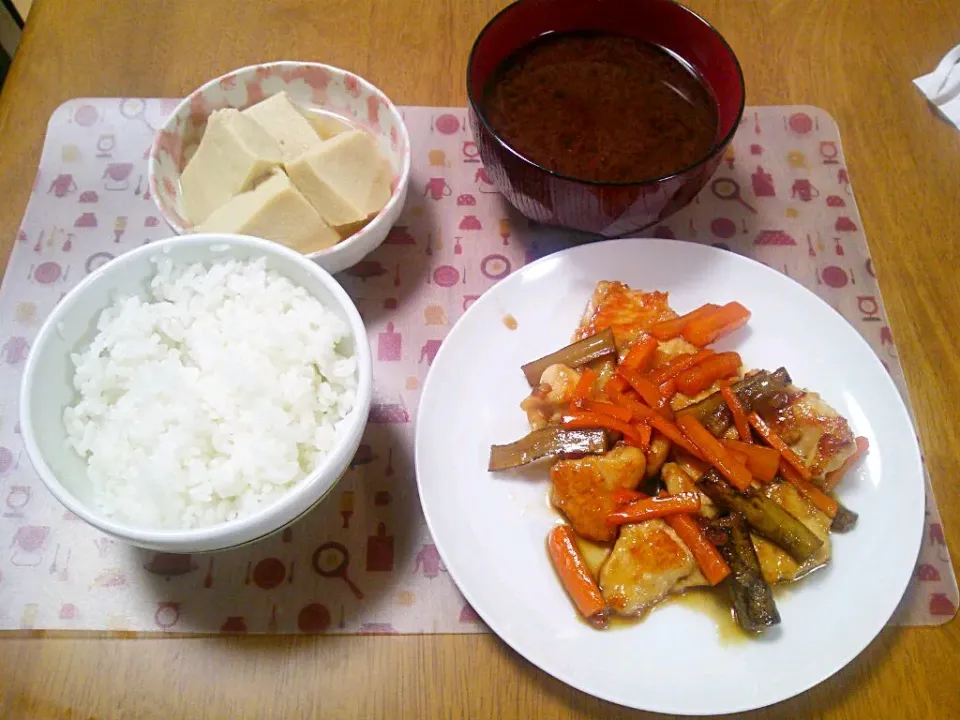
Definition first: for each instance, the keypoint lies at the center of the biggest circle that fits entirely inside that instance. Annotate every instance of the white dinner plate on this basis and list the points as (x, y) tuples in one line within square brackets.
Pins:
[(491, 529)]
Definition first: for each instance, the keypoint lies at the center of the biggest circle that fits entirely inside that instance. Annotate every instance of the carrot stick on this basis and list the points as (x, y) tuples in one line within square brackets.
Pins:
[(666, 428), (647, 391), (715, 453), (835, 476), (655, 507), (775, 441), (574, 573), (645, 431), (737, 455), (585, 419), (668, 389), (605, 408), (677, 365), (711, 562), (624, 496), (615, 386), (762, 461), (738, 412), (811, 492), (716, 324), (585, 385), (669, 329), (704, 374), (641, 354)]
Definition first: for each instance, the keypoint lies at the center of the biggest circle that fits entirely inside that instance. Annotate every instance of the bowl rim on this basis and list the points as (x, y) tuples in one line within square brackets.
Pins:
[(305, 494), (716, 149), (405, 165)]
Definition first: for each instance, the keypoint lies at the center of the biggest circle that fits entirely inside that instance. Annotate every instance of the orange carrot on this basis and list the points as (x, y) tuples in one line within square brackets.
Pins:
[(715, 453), (605, 408), (762, 461), (669, 329), (716, 324), (585, 419), (668, 389), (645, 431), (624, 496), (641, 354), (704, 374), (650, 508), (574, 573), (738, 412), (711, 562), (835, 476), (811, 492), (658, 421), (615, 386), (737, 455), (677, 365), (585, 386), (775, 441), (647, 391)]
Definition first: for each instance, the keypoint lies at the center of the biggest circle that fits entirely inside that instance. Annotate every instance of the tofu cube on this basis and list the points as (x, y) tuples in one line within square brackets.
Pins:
[(273, 210), (326, 125), (234, 153), (346, 178), (285, 122)]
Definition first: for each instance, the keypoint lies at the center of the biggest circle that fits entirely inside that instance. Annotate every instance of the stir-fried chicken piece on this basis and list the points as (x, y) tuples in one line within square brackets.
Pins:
[(627, 312), (550, 399), (775, 563), (815, 431), (583, 489), (647, 562)]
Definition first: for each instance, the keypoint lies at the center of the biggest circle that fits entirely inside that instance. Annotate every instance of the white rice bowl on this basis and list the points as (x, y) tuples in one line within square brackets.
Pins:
[(211, 397)]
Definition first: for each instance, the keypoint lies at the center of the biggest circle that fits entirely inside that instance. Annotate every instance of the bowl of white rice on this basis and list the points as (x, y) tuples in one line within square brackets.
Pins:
[(197, 393)]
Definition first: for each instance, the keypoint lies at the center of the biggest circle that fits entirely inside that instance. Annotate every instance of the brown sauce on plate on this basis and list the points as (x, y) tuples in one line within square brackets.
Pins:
[(510, 322), (602, 107)]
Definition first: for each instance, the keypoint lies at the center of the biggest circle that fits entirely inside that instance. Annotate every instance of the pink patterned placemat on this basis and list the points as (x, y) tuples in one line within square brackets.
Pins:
[(364, 562)]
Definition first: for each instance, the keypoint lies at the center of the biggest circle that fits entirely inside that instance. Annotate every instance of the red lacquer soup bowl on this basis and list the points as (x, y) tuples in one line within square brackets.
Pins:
[(605, 208)]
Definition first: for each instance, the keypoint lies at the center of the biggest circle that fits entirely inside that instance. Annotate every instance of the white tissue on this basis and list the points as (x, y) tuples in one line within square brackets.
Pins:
[(942, 86)]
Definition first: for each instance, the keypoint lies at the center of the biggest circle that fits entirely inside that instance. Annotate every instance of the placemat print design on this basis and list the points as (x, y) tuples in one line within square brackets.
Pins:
[(364, 562)]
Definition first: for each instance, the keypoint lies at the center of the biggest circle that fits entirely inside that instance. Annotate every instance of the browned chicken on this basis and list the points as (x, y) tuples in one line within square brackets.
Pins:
[(582, 489), (647, 562), (775, 563), (815, 431), (550, 399), (626, 312)]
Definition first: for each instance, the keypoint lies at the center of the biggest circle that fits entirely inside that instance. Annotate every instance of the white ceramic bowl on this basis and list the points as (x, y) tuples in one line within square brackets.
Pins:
[(47, 389), (312, 86)]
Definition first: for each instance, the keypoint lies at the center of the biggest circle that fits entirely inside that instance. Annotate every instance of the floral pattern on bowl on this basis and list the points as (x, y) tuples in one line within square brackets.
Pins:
[(313, 86)]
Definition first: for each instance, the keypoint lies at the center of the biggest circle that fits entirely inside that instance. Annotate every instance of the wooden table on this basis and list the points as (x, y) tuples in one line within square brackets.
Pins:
[(851, 58)]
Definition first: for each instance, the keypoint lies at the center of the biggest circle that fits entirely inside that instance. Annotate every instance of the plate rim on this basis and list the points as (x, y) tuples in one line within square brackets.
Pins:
[(489, 297)]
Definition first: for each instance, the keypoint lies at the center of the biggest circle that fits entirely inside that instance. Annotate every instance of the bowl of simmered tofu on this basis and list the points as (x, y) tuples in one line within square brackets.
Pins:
[(303, 154)]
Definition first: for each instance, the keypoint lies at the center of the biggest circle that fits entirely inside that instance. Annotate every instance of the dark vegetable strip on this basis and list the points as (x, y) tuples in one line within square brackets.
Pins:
[(751, 595), (763, 515), (547, 442), (575, 355), (844, 520), (762, 387)]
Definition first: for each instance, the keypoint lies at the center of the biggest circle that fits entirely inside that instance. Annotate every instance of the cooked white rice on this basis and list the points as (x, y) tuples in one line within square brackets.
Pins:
[(211, 397)]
